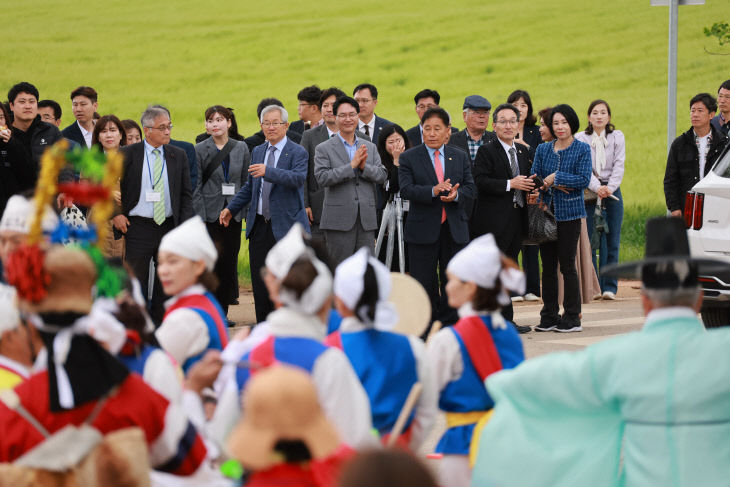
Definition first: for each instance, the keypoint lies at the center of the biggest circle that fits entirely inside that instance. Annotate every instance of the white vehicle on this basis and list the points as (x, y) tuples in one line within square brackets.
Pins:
[(707, 217)]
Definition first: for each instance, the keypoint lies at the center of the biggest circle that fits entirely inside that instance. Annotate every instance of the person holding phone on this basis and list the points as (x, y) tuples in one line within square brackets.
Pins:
[(349, 169)]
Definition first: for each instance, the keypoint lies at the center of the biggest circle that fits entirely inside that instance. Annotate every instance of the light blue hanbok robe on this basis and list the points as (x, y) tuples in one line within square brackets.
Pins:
[(648, 408)]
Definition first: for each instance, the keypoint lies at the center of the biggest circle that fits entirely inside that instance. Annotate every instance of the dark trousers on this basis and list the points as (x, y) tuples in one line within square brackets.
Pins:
[(561, 251), (531, 267), (509, 241), (141, 243), (228, 242), (427, 263), (260, 241)]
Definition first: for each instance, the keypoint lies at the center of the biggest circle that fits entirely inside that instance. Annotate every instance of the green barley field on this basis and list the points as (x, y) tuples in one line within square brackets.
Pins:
[(190, 55)]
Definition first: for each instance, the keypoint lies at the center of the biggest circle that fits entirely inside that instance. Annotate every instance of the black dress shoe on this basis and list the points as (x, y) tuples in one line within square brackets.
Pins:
[(235, 302), (522, 328)]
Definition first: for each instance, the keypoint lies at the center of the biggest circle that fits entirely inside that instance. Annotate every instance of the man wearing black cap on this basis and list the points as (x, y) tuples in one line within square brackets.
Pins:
[(476, 118), (646, 408)]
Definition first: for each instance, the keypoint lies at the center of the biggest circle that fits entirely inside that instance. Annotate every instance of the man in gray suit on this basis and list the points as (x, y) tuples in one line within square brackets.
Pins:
[(348, 168), (313, 194)]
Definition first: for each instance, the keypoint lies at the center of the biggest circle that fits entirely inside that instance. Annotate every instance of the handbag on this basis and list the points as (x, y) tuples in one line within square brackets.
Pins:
[(541, 226)]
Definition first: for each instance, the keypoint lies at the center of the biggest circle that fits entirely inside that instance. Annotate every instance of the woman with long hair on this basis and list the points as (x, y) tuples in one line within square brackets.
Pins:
[(133, 131), (608, 154), (222, 171), (392, 142)]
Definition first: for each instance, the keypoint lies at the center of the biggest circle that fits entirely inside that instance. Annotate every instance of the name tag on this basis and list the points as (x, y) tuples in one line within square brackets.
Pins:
[(228, 189), (153, 196)]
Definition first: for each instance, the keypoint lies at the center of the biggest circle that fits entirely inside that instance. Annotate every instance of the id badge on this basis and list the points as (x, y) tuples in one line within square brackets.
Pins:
[(153, 196), (228, 189)]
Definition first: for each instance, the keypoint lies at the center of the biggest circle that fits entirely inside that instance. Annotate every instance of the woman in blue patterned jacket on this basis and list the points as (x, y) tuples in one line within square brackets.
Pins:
[(565, 166)]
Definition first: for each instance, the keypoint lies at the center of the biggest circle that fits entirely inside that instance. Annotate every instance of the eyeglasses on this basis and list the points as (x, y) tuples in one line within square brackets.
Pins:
[(347, 115), (507, 122), (363, 100), (161, 128), (272, 124)]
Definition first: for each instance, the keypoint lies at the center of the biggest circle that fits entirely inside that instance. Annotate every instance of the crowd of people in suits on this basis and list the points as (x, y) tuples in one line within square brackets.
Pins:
[(322, 376)]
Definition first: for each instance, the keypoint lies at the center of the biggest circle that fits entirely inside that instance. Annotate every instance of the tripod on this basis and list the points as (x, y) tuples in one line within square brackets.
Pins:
[(392, 220)]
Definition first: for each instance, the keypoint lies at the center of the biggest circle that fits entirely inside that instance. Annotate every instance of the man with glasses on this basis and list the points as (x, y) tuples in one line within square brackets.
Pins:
[(424, 100), (366, 96), (348, 168), (476, 117), (274, 190), (308, 109), (502, 177), (156, 197)]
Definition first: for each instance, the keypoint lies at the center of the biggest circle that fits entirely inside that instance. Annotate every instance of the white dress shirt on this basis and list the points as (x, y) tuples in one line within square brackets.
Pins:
[(86, 133)]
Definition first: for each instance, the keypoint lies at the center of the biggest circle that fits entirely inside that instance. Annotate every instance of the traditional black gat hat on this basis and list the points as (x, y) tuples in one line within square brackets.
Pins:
[(667, 263)]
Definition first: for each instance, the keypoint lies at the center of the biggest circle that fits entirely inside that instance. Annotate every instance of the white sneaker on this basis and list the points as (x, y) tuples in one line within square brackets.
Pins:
[(597, 296), (531, 297), (517, 299), (609, 295)]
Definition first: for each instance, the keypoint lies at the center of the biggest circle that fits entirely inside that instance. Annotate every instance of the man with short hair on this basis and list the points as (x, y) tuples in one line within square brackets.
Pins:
[(348, 168), (308, 109), (722, 120), (189, 151), (50, 111), (274, 191), (652, 407), (693, 153), (501, 175), (313, 194), (259, 138), (366, 96), (84, 104), (436, 178), (156, 197), (35, 134), (476, 117), (424, 100)]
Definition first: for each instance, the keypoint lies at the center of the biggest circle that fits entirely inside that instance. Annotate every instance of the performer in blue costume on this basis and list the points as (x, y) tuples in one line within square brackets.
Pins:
[(388, 364), (482, 342), (646, 408)]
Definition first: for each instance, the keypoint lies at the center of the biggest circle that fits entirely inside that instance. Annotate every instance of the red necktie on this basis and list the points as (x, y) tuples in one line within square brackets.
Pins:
[(440, 177)]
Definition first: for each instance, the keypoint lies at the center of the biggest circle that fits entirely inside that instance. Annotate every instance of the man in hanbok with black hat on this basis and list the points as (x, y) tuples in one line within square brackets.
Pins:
[(645, 408)]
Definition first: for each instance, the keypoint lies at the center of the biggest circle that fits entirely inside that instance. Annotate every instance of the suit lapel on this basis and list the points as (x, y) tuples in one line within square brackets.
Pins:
[(427, 165), (173, 171), (503, 157), (340, 149)]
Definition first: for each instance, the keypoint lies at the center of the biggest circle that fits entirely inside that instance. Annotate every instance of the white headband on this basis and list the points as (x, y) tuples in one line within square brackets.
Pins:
[(18, 215), (191, 240), (349, 286), (286, 251), (480, 262), (314, 297)]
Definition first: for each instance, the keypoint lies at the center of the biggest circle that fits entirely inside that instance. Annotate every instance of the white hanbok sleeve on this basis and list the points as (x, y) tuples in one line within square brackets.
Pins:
[(163, 375), (444, 354), (183, 334), (343, 399), (427, 405)]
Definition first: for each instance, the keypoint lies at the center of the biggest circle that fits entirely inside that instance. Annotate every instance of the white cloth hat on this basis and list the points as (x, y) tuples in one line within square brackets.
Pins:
[(480, 262), (349, 285), (191, 240), (9, 315), (287, 250), (18, 216)]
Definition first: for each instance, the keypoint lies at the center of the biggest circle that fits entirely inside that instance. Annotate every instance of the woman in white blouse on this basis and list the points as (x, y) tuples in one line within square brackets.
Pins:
[(608, 151)]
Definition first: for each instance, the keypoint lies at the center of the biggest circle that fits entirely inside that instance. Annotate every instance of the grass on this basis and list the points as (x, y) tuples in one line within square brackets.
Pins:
[(190, 56)]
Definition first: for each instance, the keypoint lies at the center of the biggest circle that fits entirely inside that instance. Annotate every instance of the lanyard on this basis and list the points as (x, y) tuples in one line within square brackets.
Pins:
[(149, 169), (226, 165)]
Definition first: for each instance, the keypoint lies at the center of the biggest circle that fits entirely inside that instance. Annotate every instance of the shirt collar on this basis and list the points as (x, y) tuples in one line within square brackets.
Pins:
[(279, 145), (507, 147), (657, 317), (16, 367), (194, 289), (83, 130), (432, 151), (148, 148), (345, 142), (371, 123)]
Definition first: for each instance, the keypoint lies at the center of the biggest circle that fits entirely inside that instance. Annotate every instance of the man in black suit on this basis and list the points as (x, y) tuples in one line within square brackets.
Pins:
[(310, 115), (502, 178), (436, 179), (259, 138), (366, 95), (84, 104), (424, 99), (156, 197)]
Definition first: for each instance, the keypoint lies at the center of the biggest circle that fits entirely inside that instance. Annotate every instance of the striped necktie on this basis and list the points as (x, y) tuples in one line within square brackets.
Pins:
[(159, 187)]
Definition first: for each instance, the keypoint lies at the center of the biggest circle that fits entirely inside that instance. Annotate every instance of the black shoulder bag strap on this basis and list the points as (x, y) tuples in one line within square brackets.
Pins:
[(222, 154)]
